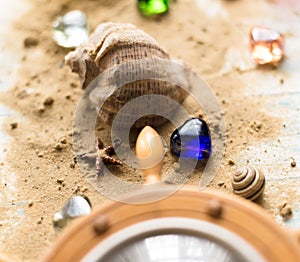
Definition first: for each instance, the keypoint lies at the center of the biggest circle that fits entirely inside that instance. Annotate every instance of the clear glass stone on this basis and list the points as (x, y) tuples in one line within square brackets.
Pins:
[(71, 29)]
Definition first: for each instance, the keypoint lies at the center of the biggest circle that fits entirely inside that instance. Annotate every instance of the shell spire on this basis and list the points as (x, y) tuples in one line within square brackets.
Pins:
[(248, 182)]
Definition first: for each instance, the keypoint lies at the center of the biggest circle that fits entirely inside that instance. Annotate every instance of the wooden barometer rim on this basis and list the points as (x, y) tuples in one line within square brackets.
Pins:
[(242, 217)]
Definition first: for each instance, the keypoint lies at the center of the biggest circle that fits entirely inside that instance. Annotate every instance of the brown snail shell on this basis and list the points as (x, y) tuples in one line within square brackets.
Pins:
[(248, 182), (114, 44)]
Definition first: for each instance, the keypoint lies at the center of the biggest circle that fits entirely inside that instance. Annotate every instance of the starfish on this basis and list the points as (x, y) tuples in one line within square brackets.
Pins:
[(103, 155)]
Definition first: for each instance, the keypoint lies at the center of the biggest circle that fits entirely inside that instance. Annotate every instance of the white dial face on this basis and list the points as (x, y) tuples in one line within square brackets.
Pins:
[(172, 248), (174, 239)]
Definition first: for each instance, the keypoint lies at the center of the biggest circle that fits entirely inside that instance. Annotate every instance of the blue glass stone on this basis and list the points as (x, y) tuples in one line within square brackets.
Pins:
[(191, 140)]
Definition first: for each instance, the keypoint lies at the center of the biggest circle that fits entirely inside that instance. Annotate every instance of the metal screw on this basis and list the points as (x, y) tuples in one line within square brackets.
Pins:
[(298, 235), (215, 208), (101, 224)]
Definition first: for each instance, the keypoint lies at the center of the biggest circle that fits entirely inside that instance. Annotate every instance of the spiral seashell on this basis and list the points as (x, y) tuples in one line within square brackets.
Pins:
[(248, 182), (121, 48)]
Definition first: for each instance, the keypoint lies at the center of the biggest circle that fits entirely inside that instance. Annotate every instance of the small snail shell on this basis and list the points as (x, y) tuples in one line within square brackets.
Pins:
[(248, 182)]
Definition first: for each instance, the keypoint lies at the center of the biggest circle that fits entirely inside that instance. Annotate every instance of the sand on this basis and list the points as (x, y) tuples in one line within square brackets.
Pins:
[(46, 94)]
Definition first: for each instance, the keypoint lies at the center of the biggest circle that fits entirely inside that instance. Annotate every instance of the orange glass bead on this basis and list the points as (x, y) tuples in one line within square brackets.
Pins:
[(266, 46)]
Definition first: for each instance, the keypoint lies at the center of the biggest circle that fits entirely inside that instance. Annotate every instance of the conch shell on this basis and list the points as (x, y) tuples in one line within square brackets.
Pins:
[(122, 50)]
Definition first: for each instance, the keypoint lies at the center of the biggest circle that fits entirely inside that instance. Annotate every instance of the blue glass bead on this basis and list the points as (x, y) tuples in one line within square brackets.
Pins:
[(191, 140)]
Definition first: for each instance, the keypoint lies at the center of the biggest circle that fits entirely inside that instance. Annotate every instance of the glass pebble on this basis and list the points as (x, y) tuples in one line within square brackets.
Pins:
[(266, 46), (192, 140), (153, 7), (71, 29)]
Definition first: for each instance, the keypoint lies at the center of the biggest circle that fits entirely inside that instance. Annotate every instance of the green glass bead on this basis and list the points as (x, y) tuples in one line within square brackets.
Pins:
[(153, 7)]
